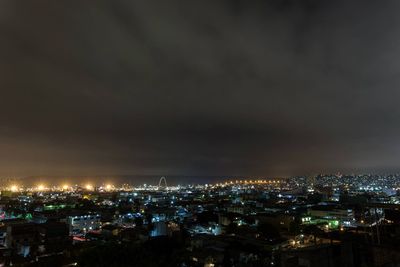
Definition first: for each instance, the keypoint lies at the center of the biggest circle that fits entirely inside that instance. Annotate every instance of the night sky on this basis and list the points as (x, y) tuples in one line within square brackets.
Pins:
[(270, 88)]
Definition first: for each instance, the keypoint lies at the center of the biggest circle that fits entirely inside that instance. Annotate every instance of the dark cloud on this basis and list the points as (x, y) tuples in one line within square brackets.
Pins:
[(209, 87)]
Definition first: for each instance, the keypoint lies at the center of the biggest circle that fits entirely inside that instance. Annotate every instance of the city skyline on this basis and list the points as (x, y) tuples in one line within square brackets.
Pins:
[(180, 133)]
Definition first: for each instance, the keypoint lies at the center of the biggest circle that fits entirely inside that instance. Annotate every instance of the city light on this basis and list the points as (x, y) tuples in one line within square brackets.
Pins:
[(14, 188), (109, 186), (331, 217), (40, 187), (225, 133), (89, 187)]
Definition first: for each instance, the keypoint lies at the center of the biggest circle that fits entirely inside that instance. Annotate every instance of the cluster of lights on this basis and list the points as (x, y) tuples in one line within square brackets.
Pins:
[(250, 182), (109, 187), (41, 187), (14, 188), (89, 187), (64, 187)]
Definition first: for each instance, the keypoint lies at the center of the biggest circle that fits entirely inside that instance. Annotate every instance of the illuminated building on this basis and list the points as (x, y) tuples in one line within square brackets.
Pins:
[(83, 223)]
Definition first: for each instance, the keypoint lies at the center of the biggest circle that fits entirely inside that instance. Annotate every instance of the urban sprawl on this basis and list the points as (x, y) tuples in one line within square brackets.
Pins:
[(323, 220)]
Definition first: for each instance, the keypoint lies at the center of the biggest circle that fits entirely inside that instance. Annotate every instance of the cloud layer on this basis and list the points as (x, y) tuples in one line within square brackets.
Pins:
[(206, 88)]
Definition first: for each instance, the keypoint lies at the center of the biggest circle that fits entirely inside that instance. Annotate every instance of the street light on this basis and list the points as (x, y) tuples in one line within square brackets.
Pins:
[(89, 187), (14, 188)]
